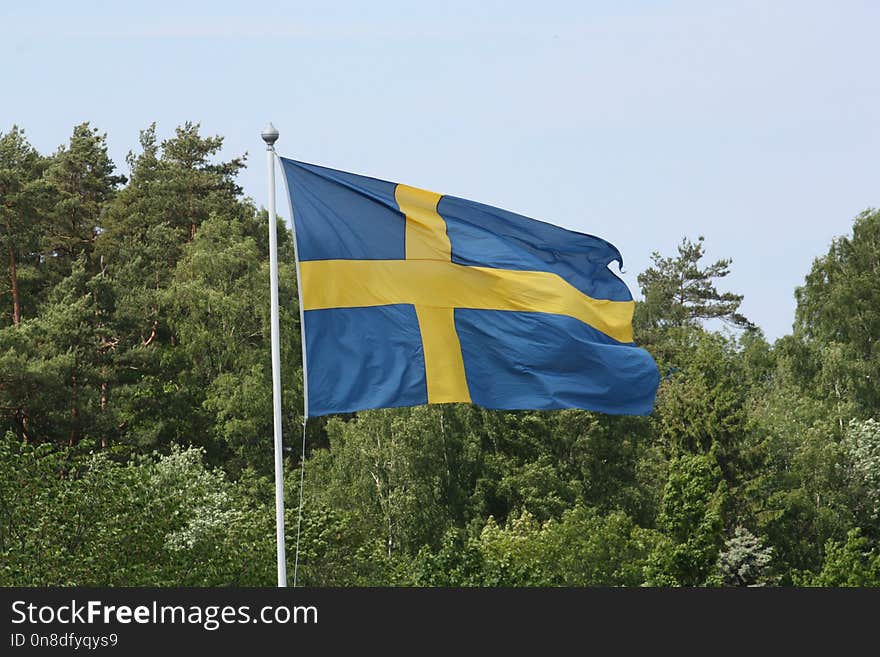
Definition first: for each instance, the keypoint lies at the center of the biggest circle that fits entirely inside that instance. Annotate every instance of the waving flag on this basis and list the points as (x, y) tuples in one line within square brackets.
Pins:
[(411, 297)]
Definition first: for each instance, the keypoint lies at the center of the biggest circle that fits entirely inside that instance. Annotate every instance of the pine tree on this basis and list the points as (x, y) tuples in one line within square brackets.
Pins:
[(22, 202), (837, 322), (744, 561), (679, 292), (82, 176)]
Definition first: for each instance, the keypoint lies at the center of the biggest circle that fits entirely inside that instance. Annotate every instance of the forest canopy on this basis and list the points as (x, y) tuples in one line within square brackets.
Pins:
[(136, 414)]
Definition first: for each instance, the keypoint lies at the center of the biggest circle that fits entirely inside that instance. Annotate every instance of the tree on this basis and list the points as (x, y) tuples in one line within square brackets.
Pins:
[(862, 448), (691, 518), (148, 228), (744, 561), (797, 494), (680, 293), (582, 548), (407, 474), (838, 320), (71, 519), (218, 302), (50, 374), (23, 198), (175, 183), (853, 563), (199, 182), (174, 188), (703, 406), (82, 177)]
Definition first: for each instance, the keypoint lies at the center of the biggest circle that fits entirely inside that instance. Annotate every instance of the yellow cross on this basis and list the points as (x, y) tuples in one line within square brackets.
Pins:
[(436, 286)]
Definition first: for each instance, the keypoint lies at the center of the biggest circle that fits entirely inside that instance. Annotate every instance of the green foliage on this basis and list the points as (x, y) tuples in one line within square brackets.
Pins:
[(838, 320), (853, 563), (702, 407), (800, 483), (862, 448), (405, 472), (458, 562), (24, 197), (691, 518), (82, 179), (679, 292), (135, 401), (169, 279), (336, 550), (156, 521), (744, 561), (582, 548)]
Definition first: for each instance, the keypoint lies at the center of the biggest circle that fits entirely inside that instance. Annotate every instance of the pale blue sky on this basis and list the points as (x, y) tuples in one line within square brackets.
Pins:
[(754, 123)]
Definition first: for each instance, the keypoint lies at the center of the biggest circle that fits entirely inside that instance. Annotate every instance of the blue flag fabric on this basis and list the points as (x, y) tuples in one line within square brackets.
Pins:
[(411, 297)]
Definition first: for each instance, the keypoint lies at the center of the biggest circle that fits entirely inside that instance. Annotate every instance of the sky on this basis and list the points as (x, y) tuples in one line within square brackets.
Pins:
[(755, 124)]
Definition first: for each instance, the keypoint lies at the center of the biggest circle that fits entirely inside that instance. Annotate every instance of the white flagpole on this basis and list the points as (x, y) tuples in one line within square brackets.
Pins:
[(302, 326), (270, 136)]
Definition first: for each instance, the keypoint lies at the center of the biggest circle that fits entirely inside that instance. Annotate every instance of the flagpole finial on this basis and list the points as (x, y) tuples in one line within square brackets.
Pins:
[(269, 135)]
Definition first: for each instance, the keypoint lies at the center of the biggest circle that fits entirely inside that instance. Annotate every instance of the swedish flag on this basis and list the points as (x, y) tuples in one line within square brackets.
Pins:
[(412, 297)]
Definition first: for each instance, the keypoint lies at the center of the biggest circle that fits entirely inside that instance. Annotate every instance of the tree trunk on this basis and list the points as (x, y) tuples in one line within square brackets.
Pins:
[(74, 429), (152, 337), (13, 277), (25, 435), (105, 442), (192, 219), (74, 418), (445, 451)]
